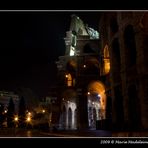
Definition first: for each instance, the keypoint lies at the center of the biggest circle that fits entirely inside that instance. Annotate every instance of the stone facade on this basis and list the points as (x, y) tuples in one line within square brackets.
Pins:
[(126, 35), (83, 80)]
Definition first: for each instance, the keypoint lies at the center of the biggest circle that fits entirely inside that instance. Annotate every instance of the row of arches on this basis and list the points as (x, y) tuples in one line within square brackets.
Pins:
[(68, 118), (96, 107)]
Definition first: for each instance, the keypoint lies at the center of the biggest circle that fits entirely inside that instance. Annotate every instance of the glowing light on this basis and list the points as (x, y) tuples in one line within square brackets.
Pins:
[(66, 76), (5, 111), (106, 66), (43, 111), (99, 95), (88, 93), (84, 66), (29, 113), (16, 119), (106, 60), (72, 52), (69, 80), (28, 119)]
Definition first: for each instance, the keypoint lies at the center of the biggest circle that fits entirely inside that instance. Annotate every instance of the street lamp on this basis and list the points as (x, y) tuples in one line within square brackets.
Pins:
[(43, 110), (16, 120), (28, 119)]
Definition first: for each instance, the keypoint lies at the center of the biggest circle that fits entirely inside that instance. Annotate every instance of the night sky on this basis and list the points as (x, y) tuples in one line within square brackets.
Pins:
[(30, 43)]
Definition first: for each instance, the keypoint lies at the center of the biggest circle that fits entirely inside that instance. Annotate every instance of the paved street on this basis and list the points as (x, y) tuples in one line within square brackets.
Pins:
[(39, 133), (5, 132)]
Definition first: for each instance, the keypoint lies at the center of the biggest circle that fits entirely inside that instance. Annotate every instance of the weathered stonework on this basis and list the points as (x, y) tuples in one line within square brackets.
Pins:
[(131, 76)]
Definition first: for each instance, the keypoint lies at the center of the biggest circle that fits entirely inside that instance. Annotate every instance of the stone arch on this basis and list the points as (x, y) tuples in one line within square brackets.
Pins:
[(96, 100), (69, 97), (69, 80), (106, 60), (71, 69)]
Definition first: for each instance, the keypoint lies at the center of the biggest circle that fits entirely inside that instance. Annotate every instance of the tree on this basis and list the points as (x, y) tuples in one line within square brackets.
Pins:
[(22, 112), (10, 113)]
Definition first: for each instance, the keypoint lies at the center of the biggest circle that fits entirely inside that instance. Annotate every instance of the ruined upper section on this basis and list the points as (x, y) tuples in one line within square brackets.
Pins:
[(80, 38), (78, 27)]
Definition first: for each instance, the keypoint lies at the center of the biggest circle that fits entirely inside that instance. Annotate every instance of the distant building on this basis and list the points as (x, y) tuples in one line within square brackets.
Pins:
[(5, 97)]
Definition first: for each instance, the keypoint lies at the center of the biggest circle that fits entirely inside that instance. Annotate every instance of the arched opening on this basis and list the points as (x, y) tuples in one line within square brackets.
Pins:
[(106, 60), (96, 104), (69, 97), (71, 73), (69, 118), (130, 45), (69, 81)]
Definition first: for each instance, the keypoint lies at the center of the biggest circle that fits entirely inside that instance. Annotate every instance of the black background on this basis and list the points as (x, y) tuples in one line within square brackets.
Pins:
[(30, 44)]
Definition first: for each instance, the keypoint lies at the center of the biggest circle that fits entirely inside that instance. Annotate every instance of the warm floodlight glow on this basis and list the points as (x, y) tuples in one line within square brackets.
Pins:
[(28, 119), (16, 119)]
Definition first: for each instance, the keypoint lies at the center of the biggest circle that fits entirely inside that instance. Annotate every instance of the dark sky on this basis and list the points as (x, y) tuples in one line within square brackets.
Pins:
[(30, 43)]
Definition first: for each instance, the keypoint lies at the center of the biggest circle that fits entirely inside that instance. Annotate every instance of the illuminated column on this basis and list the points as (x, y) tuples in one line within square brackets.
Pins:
[(66, 126), (75, 119), (73, 115)]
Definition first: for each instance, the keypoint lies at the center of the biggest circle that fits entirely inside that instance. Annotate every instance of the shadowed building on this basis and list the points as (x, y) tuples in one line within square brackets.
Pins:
[(126, 34)]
